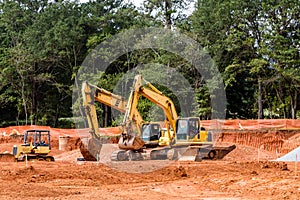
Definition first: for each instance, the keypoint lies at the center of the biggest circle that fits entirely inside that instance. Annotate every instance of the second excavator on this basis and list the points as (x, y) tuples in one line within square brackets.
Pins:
[(91, 146)]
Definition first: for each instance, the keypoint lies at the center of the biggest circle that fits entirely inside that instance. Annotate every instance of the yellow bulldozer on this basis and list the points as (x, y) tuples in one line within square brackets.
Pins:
[(36, 146)]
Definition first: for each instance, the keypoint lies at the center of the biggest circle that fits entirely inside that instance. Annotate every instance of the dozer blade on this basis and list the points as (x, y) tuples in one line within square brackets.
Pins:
[(189, 154), (131, 143), (7, 157), (90, 149), (221, 152)]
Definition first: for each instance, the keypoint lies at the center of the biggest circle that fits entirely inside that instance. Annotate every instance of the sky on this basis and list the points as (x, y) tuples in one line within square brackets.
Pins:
[(138, 3)]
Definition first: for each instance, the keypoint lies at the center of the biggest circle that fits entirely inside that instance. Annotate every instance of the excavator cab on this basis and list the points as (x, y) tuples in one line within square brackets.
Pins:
[(190, 130), (151, 133)]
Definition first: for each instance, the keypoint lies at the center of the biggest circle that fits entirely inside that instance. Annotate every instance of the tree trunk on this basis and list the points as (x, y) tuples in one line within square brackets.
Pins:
[(82, 113), (259, 101), (23, 93), (280, 96), (168, 8), (57, 115), (33, 100), (294, 105), (106, 116)]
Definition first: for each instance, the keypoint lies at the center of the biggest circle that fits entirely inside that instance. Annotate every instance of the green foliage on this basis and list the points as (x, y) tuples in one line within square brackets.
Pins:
[(253, 42), (43, 44)]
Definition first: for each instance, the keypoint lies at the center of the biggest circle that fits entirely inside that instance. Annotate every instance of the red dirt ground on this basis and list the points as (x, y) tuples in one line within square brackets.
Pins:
[(245, 173)]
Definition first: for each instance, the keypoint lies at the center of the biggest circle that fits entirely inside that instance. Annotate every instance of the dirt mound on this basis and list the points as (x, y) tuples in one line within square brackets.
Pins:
[(69, 156), (248, 154), (11, 139), (277, 165)]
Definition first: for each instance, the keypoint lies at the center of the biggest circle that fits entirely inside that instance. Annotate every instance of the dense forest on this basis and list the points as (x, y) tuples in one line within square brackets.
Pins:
[(254, 44)]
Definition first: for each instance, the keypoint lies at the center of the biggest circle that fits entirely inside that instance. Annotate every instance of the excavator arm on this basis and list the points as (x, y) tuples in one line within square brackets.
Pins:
[(116, 102), (90, 110), (164, 102), (107, 98), (90, 147), (158, 98)]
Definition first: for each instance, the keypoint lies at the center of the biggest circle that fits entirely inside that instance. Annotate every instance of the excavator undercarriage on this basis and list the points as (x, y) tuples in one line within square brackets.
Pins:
[(195, 153)]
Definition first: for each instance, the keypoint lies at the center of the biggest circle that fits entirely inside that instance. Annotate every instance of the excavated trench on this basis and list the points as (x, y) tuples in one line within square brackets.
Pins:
[(280, 141)]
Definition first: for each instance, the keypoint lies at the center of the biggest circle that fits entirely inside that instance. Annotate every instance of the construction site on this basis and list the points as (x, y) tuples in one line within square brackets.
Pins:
[(264, 165), (130, 100), (179, 158)]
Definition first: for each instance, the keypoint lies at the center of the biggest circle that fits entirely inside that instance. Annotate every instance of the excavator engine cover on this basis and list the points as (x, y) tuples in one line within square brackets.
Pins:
[(90, 149)]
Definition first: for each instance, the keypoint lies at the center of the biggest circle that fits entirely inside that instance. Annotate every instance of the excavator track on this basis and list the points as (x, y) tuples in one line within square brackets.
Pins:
[(119, 155), (221, 152), (206, 152), (166, 153), (159, 153), (196, 153), (122, 155)]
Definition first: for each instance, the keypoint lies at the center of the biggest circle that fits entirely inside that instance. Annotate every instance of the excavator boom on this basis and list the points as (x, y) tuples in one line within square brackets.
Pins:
[(91, 146), (90, 110)]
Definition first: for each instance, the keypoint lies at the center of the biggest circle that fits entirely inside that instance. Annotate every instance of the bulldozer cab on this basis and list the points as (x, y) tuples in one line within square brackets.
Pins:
[(37, 137)]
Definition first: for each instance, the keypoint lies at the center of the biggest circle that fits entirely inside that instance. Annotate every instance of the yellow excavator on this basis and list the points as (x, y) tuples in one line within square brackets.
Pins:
[(181, 135), (91, 146)]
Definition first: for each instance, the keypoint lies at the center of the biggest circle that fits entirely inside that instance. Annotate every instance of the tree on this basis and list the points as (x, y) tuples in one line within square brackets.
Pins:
[(281, 49), (43, 43), (166, 12), (253, 44)]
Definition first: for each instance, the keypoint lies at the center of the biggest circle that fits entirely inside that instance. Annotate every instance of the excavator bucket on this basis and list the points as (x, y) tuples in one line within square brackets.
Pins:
[(90, 149), (131, 143)]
